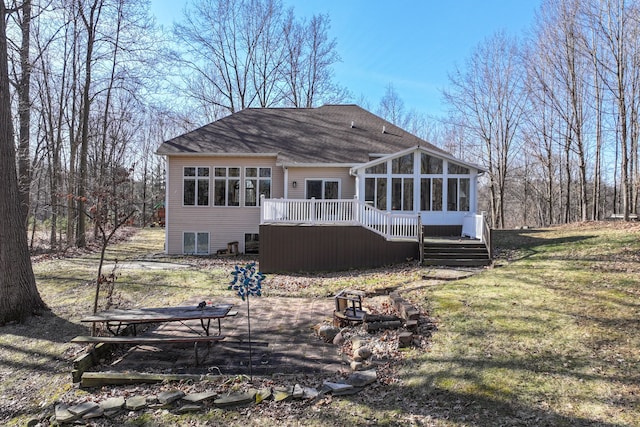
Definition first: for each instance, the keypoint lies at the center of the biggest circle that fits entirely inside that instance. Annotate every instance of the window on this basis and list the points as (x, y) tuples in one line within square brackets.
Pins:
[(402, 165), (257, 182), (458, 194), (226, 186), (323, 189), (380, 168), (195, 186), (195, 243), (430, 165), (402, 194), (251, 243), (457, 169), (375, 192)]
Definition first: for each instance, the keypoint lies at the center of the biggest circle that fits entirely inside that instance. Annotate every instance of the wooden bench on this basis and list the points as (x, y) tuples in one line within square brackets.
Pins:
[(132, 339), (140, 340)]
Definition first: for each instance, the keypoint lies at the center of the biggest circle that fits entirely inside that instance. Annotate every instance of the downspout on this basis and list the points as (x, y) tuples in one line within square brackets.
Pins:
[(166, 206)]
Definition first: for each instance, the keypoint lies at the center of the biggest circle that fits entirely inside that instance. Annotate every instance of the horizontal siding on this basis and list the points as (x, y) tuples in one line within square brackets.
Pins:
[(299, 175), (328, 248), (224, 224)]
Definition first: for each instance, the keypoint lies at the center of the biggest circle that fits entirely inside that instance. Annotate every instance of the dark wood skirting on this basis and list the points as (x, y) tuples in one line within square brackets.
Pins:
[(302, 248), (442, 230)]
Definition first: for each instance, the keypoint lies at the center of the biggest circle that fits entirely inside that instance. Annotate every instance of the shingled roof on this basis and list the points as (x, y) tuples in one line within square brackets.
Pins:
[(336, 134)]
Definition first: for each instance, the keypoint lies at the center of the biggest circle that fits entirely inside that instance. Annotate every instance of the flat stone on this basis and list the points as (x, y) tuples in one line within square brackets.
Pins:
[(199, 397), (190, 407), (63, 415), (362, 378), (310, 393), (337, 386), (96, 413), (347, 391), (83, 408), (168, 397), (281, 395), (112, 403), (235, 399), (298, 391), (356, 365), (263, 394), (135, 403)]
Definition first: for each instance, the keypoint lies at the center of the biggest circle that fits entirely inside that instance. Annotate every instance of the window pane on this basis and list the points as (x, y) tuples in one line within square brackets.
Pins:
[(189, 171), (265, 188), (221, 171), (430, 164), (251, 243), (407, 198), (265, 172), (425, 194), (396, 194), (189, 243), (251, 172), (452, 194), (457, 169), (402, 165), (250, 192), (436, 205), (369, 189), (381, 194), (377, 169), (203, 171), (189, 195), (234, 172), (330, 189), (203, 243), (464, 194), (314, 189), (203, 192), (234, 193), (220, 192)]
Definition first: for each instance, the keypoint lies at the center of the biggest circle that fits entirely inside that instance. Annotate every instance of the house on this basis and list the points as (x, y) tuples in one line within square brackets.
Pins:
[(261, 177)]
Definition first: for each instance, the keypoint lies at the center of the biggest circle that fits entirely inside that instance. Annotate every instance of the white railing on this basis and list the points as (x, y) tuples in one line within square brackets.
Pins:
[(340, 212)]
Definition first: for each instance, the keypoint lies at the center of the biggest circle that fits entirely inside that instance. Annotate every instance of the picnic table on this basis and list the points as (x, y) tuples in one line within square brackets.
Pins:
[(116, 319)]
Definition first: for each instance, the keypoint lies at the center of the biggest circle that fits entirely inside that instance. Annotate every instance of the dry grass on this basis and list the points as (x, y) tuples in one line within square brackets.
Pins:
[(549, 337)]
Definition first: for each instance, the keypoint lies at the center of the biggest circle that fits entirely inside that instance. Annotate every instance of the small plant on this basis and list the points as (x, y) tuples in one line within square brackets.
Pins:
[(247, 281)]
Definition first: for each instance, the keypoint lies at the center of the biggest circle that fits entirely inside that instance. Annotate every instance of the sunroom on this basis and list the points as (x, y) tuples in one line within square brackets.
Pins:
[(442, 191)]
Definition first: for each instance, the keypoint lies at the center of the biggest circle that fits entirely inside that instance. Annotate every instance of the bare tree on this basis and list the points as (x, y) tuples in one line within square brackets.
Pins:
[(489, 98), (19, 297), (391, 106)]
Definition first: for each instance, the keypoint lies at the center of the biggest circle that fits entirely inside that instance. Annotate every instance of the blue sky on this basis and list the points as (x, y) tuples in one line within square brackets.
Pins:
[(412, 45)]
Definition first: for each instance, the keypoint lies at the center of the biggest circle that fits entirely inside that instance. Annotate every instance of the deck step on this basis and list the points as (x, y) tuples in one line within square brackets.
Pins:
[(454, 253)]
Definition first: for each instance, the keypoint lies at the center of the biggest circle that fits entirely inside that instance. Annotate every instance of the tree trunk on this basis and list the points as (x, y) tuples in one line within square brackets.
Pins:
[(24, 113), (19, 297)]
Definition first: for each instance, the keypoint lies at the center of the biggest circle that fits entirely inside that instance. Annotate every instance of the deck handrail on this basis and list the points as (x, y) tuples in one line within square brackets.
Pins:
[(392, 226)]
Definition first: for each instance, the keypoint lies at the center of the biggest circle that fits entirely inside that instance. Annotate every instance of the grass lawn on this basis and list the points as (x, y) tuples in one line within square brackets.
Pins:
[(550, 336)]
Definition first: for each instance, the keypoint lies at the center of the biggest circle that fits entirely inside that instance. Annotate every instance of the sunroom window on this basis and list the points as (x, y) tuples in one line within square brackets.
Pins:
[(458, 194)]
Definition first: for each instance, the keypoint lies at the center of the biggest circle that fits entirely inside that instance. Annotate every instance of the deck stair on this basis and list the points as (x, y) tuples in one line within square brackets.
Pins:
[(455, 252)]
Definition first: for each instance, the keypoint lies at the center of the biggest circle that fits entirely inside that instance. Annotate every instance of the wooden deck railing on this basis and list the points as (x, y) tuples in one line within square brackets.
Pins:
[(392, 226)]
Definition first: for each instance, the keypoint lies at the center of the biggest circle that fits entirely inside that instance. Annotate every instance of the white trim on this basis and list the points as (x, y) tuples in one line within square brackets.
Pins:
[(205, 154), (354, 170), (316, 165)]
